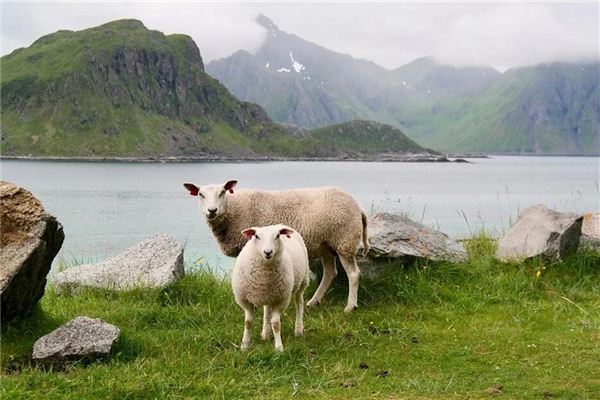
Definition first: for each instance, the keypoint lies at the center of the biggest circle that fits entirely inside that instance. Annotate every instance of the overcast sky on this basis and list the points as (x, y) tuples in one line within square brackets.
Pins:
[(499, 34)]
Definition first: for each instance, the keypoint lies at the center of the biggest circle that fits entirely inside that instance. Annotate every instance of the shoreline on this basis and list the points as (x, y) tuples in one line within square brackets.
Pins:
[(218, 159)]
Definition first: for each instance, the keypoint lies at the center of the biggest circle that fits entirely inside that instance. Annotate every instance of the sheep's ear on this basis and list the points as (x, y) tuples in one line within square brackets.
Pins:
[(249, 232), (286, 231), (230, 185), (194, 190)]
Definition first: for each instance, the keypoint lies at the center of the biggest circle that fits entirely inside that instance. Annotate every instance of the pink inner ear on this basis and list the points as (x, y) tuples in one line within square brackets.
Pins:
[(286, 232), (194, 190), (249, 233), (230, 185)]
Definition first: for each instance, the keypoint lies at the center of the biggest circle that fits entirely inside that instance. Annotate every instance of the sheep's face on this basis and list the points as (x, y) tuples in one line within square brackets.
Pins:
[(267, 239), (212, 198)]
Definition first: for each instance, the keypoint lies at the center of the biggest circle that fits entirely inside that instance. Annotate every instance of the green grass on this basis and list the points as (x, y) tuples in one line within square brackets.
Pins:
[(439, 330)]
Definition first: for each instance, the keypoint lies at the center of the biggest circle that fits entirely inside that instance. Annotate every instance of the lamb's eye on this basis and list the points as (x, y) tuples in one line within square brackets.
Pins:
[(222, 193), (256, 236), (277, 237), (200, 194)]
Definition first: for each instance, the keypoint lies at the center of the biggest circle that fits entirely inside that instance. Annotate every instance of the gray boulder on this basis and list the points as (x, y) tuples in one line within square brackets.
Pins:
[(394, 237), (540, 231), (156, 262), (29, 240), (79, 338), (590, 231)]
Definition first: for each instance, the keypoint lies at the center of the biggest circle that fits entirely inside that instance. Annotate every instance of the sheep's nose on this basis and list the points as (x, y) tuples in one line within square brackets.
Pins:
[(268, 252), (212, 210)]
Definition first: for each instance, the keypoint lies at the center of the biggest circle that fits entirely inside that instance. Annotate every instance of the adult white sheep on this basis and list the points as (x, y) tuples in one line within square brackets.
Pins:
[(271, 268), (329, 220)]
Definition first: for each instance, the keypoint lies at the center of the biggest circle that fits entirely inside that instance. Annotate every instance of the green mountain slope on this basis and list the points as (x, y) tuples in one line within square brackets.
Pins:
[(121, 90), (549, 109)]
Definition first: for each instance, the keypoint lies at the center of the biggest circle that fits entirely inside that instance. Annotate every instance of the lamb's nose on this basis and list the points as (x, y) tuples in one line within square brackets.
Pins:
[(268, 252), (212, 210)]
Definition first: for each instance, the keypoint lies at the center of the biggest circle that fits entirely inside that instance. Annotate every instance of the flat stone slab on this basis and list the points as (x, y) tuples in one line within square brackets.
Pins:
[(79, 338), (393, 236), (540, 231), (153, 263)]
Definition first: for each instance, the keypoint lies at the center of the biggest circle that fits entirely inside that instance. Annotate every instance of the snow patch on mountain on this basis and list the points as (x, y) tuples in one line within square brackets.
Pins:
[(284, 70), (296, 65)]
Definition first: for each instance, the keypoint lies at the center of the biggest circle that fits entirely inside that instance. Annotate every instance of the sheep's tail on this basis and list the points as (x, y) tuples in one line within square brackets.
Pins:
[(364, 234)]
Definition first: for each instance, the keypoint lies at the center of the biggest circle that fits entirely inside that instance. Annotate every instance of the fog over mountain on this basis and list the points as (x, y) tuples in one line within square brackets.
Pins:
[(502, 35)]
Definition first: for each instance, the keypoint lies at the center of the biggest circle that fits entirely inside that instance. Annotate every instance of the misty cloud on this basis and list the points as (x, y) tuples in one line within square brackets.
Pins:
[(497, 34)]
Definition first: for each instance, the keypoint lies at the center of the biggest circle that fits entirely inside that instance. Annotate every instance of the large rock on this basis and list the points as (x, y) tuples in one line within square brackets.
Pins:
[(156, 262), (590, 231), (394, 237), (540, 231), (29, 240), (79, 338)]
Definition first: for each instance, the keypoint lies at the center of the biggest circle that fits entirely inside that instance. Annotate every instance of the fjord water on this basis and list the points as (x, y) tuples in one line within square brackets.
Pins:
[(108, 206)]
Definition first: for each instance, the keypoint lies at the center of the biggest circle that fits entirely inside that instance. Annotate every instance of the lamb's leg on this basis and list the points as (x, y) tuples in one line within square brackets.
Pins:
[(299, 298), (248, 317), (276, 326), (266, 329), (353, 273), (329, 273)]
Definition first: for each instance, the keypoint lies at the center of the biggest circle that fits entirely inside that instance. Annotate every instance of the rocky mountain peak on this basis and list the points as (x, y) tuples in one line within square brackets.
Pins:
[(266, 23)]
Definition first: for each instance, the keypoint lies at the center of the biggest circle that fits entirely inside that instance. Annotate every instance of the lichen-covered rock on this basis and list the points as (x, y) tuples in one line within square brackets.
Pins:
[(590, 231), (156, 262), (540, 231), (395, 237), (79, 338), (29, 240)]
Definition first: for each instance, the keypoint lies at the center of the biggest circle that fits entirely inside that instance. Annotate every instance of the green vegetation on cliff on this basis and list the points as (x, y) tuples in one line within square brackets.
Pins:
[(121, 90), (426, 331)]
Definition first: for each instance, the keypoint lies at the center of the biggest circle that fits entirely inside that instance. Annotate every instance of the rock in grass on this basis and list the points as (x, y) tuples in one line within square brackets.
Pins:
[(29, 240), (395, 237), (590, 231), (153, 263), (540, 231), (82, 337)]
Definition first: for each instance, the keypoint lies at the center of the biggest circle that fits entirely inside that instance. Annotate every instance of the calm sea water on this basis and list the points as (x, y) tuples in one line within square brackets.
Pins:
[(106, 207)]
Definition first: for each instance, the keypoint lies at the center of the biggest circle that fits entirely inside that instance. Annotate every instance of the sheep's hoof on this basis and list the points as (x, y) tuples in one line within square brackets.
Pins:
[(299, 332), (279, 349), (313, 303), (265, 336), (245, 346), (350, 307)]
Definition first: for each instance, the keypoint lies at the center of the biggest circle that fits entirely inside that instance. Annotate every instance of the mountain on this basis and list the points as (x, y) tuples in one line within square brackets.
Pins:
[(548, 109), (122, 90)]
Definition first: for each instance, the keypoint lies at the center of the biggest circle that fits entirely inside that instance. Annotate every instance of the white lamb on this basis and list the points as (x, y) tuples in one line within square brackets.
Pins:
[(329, 220), (271, 268)]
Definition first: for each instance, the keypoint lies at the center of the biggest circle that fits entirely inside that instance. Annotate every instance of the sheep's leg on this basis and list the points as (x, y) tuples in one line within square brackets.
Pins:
[(353, 273), (266, 329), (329, 273), (276, 326), (299, 298), (248, 317)]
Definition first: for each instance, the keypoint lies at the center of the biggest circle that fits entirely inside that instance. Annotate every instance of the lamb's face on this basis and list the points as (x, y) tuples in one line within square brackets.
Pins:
[(266, 240), (212, 199)]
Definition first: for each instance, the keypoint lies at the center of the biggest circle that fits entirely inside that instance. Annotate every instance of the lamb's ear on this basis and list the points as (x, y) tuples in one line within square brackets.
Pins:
[(286, 231), (249, 232), (194, 190), (230, 185)]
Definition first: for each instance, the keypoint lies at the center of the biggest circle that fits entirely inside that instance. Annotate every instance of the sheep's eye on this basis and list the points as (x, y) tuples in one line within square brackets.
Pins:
[(277, 237), (200, 194), (256, 236), (222, 193)]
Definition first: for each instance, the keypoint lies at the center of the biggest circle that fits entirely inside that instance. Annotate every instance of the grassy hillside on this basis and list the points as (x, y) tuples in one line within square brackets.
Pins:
[(478, 330), (122, 90)]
